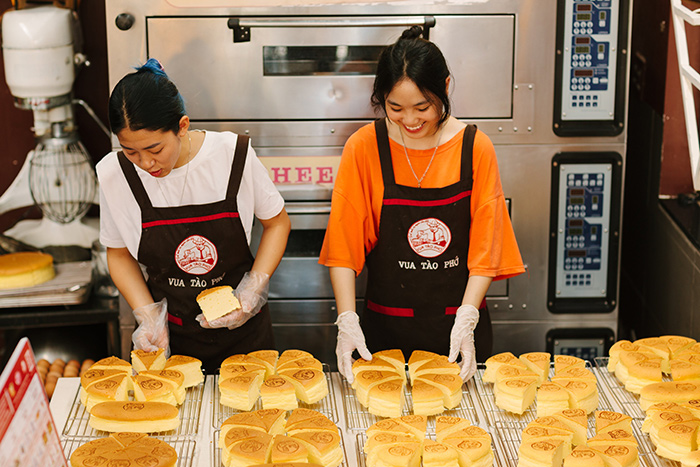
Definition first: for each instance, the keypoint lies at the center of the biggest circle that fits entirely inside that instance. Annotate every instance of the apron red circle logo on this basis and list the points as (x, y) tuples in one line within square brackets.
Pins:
[(196, 255), (429, 237)]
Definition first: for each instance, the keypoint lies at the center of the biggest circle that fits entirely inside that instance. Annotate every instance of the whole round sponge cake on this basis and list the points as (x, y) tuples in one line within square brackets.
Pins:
[(25, 269)]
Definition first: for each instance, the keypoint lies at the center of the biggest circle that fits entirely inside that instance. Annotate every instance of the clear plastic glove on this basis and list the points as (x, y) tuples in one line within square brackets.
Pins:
[(152, 331), (462, 340), (251, 293), (350, 338)]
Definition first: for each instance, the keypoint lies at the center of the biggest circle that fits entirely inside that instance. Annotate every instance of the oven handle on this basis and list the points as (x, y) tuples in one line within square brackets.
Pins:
[(241, 26), (296, 209)]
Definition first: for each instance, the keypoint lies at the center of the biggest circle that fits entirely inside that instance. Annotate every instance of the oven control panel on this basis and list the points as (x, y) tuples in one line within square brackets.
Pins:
[(583, 229), (590, 69)]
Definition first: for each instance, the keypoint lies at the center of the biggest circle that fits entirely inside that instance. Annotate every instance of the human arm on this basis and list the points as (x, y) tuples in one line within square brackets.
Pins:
[(152, 317)]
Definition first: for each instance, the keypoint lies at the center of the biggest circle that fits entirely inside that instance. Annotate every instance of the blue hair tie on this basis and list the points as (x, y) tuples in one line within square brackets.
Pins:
[(153, 66)]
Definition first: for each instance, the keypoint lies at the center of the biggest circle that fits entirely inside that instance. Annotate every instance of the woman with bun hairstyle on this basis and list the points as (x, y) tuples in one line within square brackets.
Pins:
[(418, 200), (181, 203)]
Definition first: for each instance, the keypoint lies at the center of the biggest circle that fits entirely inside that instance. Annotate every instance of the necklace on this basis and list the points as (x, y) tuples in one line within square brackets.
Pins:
[(403, 143), (187, 172)]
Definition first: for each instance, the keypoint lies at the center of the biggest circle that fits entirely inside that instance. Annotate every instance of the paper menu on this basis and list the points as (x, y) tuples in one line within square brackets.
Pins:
[(28, 435)]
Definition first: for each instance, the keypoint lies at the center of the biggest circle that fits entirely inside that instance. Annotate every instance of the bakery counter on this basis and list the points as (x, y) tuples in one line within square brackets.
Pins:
[(200, 446)]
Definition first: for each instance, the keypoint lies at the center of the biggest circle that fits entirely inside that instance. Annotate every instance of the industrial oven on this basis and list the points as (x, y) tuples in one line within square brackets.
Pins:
[(545, 79)]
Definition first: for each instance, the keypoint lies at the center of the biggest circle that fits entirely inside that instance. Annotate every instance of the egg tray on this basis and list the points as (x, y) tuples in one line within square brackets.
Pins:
[(499, 449), (216, 450), (358, 417), (628, 401), (185, 448), (326, 406), (510, 435), (77, 424), (487, 401)]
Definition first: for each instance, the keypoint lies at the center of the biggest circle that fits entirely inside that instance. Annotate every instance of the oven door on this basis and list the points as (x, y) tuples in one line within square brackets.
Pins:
[(322, 68), (301, 298)]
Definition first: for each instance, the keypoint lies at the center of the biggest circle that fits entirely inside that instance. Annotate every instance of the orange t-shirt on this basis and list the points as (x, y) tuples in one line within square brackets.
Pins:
[(356, 207)]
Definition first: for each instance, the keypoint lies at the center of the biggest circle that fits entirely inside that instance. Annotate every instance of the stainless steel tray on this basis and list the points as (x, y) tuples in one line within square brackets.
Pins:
[(326, 405), (185, 448), (77, 425), (358, 417), (487, 401), (70, 286)]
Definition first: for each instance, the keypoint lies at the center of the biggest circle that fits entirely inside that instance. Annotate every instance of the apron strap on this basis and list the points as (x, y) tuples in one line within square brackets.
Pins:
[(239, 158), (135, 183), (384, 152), (468, 152)]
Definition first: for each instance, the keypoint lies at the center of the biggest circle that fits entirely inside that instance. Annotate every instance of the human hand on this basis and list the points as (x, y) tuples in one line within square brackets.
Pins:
[(152, 331), (350, 338), (252, 291), (462, 340)]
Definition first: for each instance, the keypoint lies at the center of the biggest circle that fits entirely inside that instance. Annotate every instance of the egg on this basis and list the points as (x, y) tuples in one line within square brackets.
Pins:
[(74, 363), (43, 363), (52, 378), (70, 372), (59, 361), (56, 368), (50, 388), (55, 374)]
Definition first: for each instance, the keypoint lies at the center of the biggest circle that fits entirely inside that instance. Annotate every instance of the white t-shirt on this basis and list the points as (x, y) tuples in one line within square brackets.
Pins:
[(206, 182)]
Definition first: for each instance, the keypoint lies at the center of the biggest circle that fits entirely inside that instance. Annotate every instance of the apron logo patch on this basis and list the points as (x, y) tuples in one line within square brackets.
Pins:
[(429, 237), (196, 255)]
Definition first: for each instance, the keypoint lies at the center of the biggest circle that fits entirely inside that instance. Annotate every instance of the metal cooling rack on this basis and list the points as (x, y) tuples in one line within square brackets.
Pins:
[(484, 395), (647, 451), (500, 458), (185, 448), (77, 424), (358, 417), (216, 451), (629, 401), (326, 405)]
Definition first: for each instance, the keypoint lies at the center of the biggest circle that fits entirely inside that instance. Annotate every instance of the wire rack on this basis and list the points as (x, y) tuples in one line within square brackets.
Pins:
[(326, 405), (77, 424), (358, 417), (184, 447), (499, 453), (627, 400), (216, 450), (484, 395)]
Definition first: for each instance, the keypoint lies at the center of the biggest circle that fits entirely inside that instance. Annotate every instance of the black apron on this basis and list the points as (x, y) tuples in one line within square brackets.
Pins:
[(417, 271), (187, 249)]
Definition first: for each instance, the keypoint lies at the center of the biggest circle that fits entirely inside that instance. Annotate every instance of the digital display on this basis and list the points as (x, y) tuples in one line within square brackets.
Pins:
[(575, 223), (579, 72), (594, 199), (594, 230), (602, 15), (583, 7), (576, 253), (582, 40), (576, 192), (583, 17), (601, 48), (576, 231), (582, 49), (575, 200)]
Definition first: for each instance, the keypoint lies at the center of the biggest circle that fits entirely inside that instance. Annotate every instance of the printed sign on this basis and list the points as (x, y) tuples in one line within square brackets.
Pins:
[(196, 255), (429, 237), (27, 431)]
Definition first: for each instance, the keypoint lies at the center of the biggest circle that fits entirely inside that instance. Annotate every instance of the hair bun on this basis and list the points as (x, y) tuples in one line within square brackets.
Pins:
[(414, 32), (153, 66)]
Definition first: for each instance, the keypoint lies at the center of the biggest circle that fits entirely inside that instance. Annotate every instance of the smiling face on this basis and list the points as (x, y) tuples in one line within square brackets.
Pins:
[(416, 115), (156, 152)]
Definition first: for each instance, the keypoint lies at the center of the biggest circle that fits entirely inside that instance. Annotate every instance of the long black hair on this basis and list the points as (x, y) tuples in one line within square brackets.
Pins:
[(146, 99), (421, 61)]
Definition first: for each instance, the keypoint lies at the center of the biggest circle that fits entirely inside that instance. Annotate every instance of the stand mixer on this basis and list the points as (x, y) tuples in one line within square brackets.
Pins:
[(58, 175)]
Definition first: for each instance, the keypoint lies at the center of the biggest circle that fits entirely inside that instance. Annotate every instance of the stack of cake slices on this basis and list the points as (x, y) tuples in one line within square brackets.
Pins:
[(124, 449), (518, 381), (560, 439), (645, 361), (401, 442), (279, 382), (266, 436), (674, 429)]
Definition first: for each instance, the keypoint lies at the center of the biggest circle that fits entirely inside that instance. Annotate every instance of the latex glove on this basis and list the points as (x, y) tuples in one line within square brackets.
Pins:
[(350, 338), (251, 293), (462, 340), (152, 331)]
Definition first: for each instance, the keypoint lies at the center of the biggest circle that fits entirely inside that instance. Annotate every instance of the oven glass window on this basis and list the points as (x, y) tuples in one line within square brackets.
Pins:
[(282, 60)]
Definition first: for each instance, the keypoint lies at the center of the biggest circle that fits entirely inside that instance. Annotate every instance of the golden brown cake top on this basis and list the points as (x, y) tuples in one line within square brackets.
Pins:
[(23, 262)]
